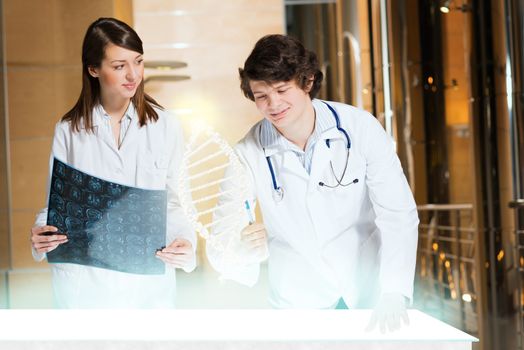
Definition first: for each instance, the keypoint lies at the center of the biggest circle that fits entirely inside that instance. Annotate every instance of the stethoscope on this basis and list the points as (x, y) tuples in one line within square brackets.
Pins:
[(278, 192)]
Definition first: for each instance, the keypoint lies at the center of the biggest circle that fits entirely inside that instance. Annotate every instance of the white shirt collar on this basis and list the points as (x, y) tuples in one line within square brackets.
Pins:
[(272, 141), (99, 113)]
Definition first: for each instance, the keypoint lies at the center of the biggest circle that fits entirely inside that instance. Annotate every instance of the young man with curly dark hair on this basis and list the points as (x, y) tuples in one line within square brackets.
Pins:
[(340, 221)]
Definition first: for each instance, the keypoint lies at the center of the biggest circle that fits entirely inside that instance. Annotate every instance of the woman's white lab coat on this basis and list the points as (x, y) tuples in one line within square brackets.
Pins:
[(353, 242), (150, 157)]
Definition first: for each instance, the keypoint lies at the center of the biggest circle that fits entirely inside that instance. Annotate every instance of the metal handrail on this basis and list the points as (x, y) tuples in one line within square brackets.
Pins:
[(428, 207), (448, 266), (516, 203)]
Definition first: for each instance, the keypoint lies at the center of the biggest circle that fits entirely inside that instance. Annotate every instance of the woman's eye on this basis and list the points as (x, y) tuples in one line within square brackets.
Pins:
[(260, 97), (139, 61), (119, 67)]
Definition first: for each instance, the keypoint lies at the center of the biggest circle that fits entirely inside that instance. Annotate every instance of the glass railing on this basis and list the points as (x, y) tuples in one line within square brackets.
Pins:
[(518, 205), (446, 278)]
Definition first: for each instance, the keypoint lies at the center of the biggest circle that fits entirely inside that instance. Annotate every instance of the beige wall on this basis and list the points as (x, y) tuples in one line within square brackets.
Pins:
[(215, 39), (43, 48), (4, 188)]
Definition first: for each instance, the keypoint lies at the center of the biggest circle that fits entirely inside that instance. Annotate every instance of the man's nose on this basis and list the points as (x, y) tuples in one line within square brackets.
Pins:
[(273, 100)]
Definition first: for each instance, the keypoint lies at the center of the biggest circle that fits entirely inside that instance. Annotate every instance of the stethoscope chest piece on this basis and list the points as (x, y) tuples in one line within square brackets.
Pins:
[(278, 194)]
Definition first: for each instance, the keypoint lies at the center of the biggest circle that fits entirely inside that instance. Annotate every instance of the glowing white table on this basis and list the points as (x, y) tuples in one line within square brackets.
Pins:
[(219, 329)]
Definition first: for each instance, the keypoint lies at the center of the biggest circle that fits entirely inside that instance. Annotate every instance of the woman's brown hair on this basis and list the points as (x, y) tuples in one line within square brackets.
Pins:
[(102, 32)]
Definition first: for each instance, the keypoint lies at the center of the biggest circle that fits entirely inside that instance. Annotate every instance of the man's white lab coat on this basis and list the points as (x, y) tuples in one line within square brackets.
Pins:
[(353, 242)]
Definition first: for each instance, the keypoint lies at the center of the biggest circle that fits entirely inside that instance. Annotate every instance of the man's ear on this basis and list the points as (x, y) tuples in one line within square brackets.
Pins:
[(93, 71), (309, 84)]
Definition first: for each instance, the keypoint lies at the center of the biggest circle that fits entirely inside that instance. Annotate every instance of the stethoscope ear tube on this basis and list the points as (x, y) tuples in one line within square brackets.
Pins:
[(321, 184)]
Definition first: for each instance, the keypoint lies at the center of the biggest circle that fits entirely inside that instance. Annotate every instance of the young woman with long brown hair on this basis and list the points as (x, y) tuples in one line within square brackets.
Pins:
[(118, 133)]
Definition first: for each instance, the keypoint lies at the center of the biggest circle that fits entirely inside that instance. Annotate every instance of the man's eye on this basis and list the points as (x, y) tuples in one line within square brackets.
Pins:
[(260, 97)]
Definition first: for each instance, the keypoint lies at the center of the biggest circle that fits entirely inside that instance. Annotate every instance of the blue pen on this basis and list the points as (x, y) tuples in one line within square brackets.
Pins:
[(249, 212)]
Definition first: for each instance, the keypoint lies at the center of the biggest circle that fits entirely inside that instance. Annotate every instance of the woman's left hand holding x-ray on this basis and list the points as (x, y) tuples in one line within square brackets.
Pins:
[(179, 254)]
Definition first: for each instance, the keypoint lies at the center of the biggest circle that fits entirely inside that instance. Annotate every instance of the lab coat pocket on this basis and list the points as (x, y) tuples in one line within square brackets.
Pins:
[(153, 163), (152, 170), (348, 199)]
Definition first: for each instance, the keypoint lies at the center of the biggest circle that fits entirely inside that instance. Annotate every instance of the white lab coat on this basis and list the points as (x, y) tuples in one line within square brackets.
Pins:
[(150, 157), (353, 242)]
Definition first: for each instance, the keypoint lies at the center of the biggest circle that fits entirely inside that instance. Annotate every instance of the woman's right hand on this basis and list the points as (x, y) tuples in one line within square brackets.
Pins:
[(44, 240)]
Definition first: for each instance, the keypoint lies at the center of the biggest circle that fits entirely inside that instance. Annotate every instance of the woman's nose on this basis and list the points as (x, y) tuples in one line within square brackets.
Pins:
[(131, 74)]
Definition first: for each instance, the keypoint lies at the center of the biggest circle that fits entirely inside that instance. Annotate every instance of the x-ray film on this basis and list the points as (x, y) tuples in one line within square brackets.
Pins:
[(108, 225)]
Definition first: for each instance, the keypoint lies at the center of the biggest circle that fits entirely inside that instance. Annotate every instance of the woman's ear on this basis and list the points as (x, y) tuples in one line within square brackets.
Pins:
[(93, 71)]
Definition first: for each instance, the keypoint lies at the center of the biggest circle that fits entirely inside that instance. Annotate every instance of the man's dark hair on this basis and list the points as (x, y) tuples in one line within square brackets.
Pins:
[(277, 58)]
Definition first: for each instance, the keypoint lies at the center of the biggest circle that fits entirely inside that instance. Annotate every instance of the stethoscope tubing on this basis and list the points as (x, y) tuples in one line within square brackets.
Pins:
[(278, 192)]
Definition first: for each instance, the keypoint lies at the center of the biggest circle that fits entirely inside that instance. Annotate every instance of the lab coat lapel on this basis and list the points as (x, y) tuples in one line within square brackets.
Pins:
[(285, 163), (102, 130), (291, 166), (321, 172), (130, 135)]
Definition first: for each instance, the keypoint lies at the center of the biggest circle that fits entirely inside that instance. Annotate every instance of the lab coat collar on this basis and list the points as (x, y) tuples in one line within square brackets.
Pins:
[(332, 134), (270, 139), (325, 128), (326, 120), (99, 114)]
